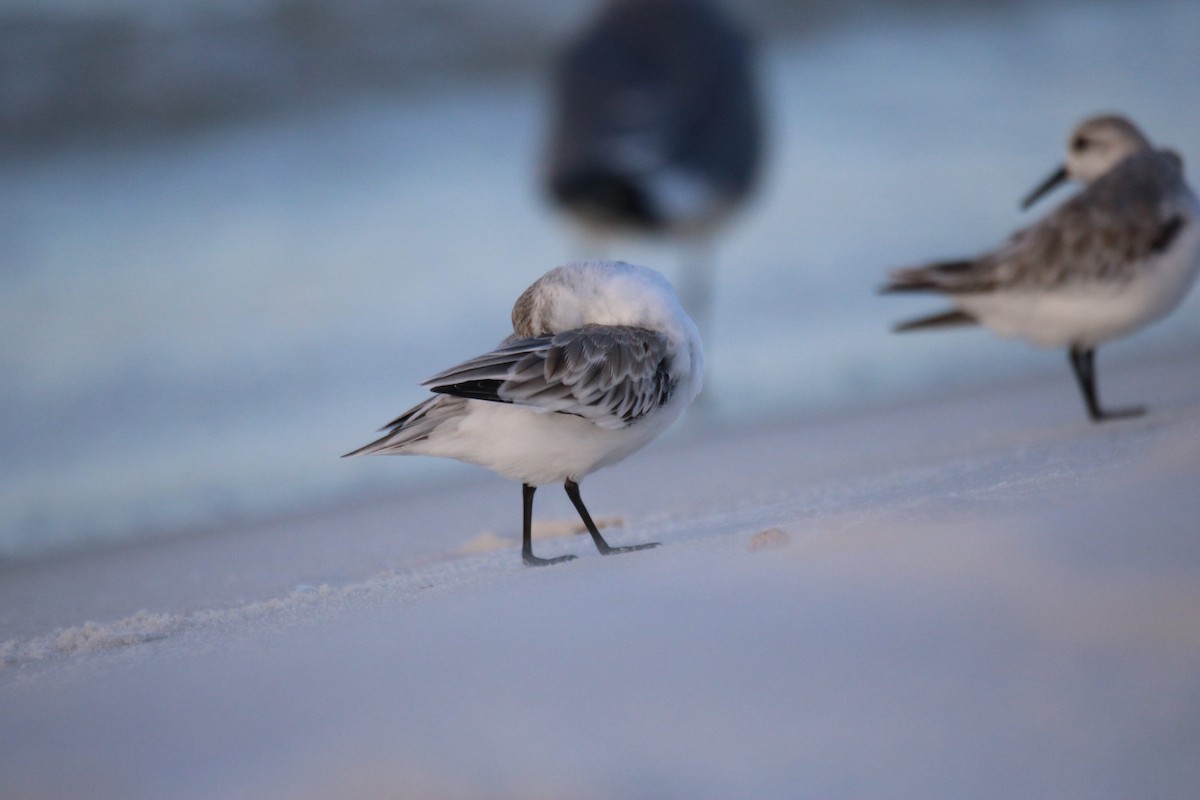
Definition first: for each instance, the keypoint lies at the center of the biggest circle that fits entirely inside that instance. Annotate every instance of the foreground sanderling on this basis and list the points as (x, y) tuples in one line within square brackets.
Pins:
[(656, 127), (1118, 255), (601, 360)]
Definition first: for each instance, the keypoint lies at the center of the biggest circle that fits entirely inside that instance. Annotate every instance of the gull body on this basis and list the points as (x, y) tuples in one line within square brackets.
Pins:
[(1120, 254), (656, 127), (602, 359)]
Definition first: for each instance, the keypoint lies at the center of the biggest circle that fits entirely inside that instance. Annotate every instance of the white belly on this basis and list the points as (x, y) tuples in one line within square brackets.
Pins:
[(539, 448), (1088, 314)]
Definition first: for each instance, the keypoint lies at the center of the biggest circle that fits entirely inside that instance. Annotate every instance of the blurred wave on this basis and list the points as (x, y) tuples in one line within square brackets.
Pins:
[(78, 69)]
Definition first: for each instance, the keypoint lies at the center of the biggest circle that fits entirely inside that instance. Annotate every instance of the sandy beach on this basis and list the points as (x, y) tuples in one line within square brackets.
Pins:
[(235, 238), (980, 595)]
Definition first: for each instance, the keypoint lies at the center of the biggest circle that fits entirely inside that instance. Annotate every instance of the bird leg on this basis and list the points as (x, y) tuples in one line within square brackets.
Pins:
[(1083, 362), (527, 532), (605, 549)]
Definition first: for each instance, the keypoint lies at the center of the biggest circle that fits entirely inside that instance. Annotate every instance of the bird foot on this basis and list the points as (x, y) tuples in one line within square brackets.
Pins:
[(533, 561), (1118, 413), (609, 550)]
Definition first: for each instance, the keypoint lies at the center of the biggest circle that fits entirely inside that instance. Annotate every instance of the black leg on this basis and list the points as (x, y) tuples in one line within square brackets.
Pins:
[(605, 549), (527, 532), (1083, 365), (1083, 362)]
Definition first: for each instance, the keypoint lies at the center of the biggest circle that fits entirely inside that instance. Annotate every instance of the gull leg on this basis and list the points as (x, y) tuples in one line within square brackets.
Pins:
[(527, 532), (1083, 362), (696, 278), (605, 549), (696, 284)]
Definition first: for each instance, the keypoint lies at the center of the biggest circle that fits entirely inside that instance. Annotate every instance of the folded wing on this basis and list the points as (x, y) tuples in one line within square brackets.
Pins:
[(1106, 233), (610, 375)]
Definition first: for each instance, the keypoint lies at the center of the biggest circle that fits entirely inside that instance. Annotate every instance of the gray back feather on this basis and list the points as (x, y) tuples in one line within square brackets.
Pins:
[(611, 375), (1104, 233)]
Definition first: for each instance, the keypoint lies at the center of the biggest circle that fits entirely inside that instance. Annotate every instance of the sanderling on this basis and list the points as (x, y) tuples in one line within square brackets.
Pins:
[(1118, 255), (656, 128), (601, 360)]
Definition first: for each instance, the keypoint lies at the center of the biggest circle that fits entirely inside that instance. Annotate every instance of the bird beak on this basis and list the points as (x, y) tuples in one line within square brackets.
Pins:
[(1058, 177)]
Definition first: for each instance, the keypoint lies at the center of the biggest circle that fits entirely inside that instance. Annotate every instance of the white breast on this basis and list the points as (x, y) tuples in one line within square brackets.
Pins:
[(1088, 314)]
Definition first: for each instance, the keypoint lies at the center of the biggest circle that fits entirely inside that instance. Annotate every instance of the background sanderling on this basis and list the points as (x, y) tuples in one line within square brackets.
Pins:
[(1120, 254)]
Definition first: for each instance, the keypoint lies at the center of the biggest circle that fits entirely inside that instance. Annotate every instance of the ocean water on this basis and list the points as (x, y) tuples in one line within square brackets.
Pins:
[(194, 328)]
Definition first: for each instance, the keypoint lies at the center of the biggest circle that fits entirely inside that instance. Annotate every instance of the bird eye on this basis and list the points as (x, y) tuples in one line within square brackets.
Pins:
[(1079, 144)]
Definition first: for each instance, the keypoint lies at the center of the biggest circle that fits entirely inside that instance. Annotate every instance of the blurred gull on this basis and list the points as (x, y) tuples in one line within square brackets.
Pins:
[(602, 359), (1120, 254), (656, 128)]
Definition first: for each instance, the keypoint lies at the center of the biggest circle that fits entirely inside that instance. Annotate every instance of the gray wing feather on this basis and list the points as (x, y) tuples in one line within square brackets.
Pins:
[(414, 425), (610, 375), (1104, 233)]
